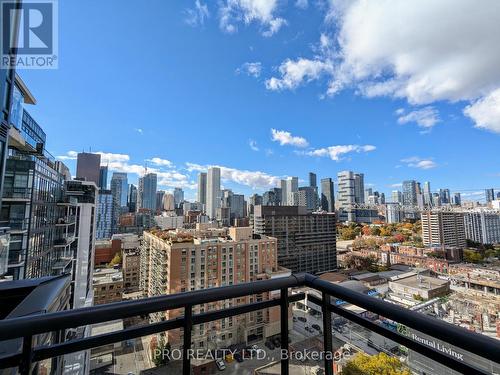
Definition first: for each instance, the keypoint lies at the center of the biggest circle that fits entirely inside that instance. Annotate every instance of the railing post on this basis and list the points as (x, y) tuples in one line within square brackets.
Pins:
[(327, 334), (285, 353), (25, 366), (186, 348)]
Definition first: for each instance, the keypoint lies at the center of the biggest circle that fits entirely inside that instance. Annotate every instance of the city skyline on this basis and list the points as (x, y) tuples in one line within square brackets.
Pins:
[(284, 126)]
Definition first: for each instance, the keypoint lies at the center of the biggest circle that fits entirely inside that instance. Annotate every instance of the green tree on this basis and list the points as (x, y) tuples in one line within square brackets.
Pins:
[(117, 259), (347, 234), (380, 364), (472, 256)]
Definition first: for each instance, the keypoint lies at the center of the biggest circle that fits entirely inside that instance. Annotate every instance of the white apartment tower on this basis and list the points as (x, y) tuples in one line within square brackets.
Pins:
[(213, 191)]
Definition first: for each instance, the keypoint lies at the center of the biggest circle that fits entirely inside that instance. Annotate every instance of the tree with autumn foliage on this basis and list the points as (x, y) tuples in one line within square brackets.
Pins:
[(380, 364)]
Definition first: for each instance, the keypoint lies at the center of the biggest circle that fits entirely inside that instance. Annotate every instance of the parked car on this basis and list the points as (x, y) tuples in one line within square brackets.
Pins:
[(254, 347), (302, 319), (294, 318), (316, 327), (269, 345), (220, 364), (238, 357)]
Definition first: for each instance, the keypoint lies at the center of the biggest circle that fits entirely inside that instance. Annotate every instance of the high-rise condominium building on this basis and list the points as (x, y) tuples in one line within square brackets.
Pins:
[(119, 190), (397, 196), (284, 193), (482, 226), (132, 198), (306, 241), (84, 194), (88, 167), (312, 180), (427, 194), (146, 193), (327, 195), (178, 197), (104, 215), (202, 188), (351, 189), (103, 177), (168, 202), (33, 192), (272, 197), (213, 191), (159, 200), (457, 199), (393, 213), (194, 261), (445, 196), (307, 197), (410, 193), (292, 187), (490, 195), (443, 228)]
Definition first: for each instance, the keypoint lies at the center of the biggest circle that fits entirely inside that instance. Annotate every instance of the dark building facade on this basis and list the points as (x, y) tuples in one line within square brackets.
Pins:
[(88, 167), (306, 241), (327, 195)]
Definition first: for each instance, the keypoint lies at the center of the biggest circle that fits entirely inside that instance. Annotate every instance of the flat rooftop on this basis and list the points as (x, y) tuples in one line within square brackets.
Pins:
[(423, 282)]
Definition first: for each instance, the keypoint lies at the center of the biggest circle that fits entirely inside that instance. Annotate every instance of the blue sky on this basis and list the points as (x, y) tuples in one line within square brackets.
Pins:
[(181, 85)]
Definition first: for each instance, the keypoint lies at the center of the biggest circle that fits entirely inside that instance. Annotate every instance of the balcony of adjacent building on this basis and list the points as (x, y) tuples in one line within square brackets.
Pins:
[(16, 194), (411, 337)]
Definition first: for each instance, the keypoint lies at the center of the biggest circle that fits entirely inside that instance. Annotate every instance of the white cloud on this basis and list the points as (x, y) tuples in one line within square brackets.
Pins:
[(161, 162), (70, 155), (286, 138), (251, 68), (253, 179), (108, 158), (416, 162), (196, 16), (139, 130), (336, 152), (425, 117), (397, 185), (261, 11), (486, 112), (302, 4), (423, 51), (295, 73), (253, 145)]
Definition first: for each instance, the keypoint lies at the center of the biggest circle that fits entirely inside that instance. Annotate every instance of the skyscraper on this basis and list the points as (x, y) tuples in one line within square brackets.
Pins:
[(103, 177), (427, 194), (490, 195), (178, 197), (312, 180), (445, 196), (159, 200), (327, 195), (351, 188), (284, 194), (292, 187), (132, 198), (146, 192), (396, 196), (213, 191), (88, 167), (306, 197), (104, 210), (119, 190), (202, 188), (410, 193)]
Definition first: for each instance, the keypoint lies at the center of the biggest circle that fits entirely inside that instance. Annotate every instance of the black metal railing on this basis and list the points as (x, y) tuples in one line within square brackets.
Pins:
[(25, 328)]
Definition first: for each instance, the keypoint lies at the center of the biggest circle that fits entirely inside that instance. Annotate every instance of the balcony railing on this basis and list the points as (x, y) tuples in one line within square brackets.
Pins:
[(23, 193), (26, 328)]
